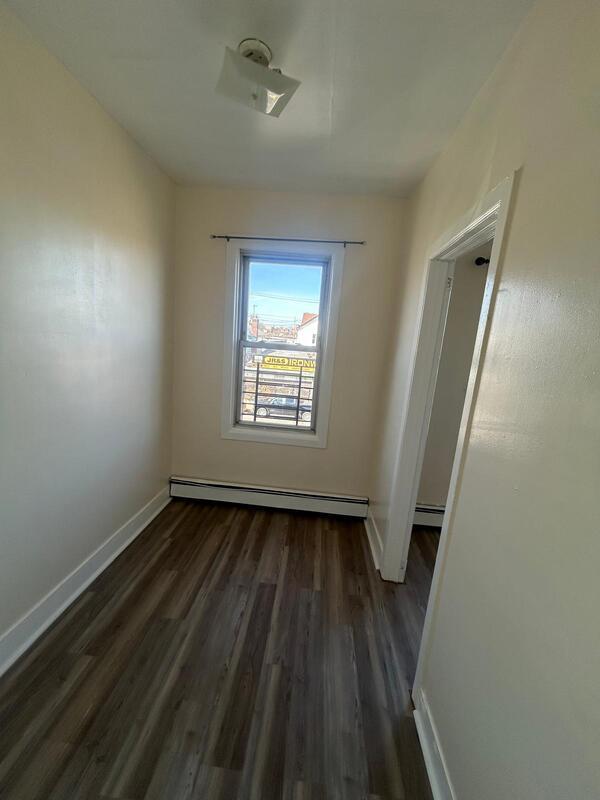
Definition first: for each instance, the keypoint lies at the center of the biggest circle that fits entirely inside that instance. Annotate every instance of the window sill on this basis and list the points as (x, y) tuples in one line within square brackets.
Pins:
[(244, 433)]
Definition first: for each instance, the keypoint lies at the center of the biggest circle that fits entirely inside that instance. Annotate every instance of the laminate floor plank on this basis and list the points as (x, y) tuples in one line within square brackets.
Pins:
[(229, 653)]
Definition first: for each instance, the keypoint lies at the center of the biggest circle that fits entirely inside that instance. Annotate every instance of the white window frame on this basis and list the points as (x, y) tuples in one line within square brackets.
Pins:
[(333, 254)]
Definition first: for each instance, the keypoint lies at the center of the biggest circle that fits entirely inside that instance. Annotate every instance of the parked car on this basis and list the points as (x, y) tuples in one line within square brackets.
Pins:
[(283, 407)]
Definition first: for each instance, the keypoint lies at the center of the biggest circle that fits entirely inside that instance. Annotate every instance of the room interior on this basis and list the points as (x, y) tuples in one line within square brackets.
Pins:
[(217, 230)]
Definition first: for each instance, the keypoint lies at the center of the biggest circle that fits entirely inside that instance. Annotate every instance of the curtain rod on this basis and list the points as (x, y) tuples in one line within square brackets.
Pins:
[(285, 239)]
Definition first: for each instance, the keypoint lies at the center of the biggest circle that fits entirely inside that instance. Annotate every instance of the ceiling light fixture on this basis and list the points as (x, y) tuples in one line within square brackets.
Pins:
[(247, 77)]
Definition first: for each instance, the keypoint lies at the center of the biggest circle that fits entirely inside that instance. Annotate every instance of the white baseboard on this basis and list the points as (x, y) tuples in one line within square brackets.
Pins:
[(269, 496), (432, 516), (20, 636), (375, 540), (437, 769)]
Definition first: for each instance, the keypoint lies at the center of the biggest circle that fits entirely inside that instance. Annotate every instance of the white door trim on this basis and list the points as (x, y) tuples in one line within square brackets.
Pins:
[(489, 218), (485, 222)]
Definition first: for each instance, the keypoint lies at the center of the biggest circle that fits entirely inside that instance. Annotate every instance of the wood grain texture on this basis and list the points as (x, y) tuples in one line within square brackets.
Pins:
[(229, 652)]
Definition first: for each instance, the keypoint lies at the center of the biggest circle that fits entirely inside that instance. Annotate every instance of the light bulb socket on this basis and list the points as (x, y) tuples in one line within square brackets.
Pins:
[(255, 50)]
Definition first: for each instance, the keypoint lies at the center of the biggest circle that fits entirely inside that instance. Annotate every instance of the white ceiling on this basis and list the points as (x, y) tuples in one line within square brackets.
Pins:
[(384, 82)]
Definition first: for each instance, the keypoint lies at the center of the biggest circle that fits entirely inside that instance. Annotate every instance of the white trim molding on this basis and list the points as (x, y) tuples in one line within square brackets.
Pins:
[(431, 516), (333, 255), (374, 537), (486, 222), (20, 636), (499, 200), (269, 496), (435, 763)]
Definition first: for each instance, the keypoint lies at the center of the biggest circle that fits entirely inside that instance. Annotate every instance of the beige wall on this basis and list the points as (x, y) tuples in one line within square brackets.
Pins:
[(366, 304), (451, 384), (85, 229), (512, 672)]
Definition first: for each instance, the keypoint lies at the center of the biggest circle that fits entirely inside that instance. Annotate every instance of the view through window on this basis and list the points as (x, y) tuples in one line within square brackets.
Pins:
[(281, 316)]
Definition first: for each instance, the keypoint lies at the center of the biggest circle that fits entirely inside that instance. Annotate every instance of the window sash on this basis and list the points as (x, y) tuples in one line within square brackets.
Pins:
[(248, 257), (275, 345), (243, 342)]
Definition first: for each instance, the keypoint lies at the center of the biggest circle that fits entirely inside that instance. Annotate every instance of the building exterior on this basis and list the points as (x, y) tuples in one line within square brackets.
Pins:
[(308, 329)]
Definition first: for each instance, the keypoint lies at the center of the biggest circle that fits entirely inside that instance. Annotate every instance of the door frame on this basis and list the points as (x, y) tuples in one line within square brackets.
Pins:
[(484, 223)]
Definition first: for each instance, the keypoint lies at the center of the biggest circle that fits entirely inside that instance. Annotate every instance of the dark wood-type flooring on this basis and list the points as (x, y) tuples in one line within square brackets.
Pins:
[(229, 652)]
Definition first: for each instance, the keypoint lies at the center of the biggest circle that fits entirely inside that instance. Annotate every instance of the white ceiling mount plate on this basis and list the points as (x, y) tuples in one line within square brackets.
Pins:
[(254, 85)]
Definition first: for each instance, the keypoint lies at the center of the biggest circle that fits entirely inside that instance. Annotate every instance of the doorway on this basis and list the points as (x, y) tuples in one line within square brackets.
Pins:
[(462, 320), (477, 233), (483, 227)]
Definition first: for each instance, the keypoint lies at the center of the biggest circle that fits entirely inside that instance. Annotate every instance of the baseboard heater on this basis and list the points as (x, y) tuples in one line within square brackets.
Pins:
[(432, 516), (268, 496)]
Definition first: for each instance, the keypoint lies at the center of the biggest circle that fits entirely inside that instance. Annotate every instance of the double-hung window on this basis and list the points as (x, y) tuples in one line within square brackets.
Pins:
[(282, 306)]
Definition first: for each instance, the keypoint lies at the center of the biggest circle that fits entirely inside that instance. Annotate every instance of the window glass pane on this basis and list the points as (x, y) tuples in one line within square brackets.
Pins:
[(282, 302), (277, 387)]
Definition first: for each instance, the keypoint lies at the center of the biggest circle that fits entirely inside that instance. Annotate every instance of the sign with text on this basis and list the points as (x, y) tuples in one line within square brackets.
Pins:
[(288, 363)]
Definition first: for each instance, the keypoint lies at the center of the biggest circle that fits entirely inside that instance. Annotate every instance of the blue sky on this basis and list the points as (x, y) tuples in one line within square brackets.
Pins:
[(272, 288)]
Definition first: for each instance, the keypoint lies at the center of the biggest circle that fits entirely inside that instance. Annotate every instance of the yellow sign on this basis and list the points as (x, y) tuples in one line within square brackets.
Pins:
[(289, 364)]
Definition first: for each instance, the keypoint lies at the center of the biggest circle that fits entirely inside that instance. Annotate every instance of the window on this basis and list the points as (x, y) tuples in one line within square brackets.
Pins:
[(279, 342)]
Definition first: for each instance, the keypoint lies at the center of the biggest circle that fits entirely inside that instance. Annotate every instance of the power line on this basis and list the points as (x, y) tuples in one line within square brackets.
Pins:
[(284, 297), (274, 317)]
